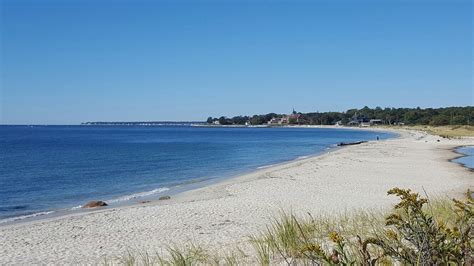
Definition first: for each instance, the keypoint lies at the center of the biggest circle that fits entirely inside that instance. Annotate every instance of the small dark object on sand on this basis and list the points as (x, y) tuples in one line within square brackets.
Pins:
[(164, 198), (145, 201), (95, 204), (350, 143)]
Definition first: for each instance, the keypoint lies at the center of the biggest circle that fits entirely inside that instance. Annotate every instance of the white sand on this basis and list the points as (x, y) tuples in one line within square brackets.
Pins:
[(225, 214)]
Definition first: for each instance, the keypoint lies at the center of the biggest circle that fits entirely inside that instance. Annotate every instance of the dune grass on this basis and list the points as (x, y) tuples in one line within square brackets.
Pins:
[(454, 131), (447, 131), (417, 231)]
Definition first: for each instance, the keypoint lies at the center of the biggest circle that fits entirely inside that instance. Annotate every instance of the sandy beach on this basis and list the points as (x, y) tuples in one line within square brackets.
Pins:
[(223, 215)]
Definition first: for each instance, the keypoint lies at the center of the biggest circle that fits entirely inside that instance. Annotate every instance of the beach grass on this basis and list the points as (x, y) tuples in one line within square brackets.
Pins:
[(447, 131), (454, 131), (418, 230)]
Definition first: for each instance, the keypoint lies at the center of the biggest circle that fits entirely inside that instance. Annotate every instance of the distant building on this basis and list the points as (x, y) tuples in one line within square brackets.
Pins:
[(362, 121), (216, 122), (357, 120), (277, 121), (297, 117), (375, 121)]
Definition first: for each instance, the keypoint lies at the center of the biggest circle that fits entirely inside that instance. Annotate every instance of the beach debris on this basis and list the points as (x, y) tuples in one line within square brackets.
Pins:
[(164, 198), (145, 201), (95, 204), (350, 143)]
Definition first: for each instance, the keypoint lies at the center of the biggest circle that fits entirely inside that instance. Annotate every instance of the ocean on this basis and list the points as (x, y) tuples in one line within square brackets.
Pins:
[(56, 169)]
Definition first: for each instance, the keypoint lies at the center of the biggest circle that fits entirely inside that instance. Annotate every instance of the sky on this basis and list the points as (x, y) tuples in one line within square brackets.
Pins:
[(71, 61)]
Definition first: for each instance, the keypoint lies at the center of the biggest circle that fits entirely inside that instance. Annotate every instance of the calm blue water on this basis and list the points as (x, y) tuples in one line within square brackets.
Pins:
[(44, 168), (467, 160)]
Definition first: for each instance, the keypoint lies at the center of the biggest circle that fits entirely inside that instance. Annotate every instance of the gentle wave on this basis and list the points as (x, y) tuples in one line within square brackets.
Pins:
[(132, 196), (271, 165), (17, 218), (124, 198), (266, 166), (139, 195)]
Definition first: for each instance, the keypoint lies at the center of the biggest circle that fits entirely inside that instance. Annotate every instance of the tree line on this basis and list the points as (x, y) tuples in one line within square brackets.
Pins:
[(388, 116)]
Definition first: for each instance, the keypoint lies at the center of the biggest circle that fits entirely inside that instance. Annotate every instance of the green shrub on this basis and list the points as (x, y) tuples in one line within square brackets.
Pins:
[(415, 236), (414, 233)]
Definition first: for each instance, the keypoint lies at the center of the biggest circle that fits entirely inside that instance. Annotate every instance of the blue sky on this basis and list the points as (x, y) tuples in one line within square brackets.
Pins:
[(65, 62)]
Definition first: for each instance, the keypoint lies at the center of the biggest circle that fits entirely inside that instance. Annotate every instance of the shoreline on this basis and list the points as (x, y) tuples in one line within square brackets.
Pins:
[(176, 190), (222, 215), (461, 155)]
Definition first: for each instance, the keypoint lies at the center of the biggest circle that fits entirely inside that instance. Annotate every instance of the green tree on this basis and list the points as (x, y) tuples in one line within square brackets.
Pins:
[(257, 120), (413, 116), (292, 121), (224, 120), (459, 120), (440, 120)]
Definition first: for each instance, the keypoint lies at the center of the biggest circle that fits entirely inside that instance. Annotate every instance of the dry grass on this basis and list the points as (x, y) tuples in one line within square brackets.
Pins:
[(417, 231), (442, 131), (447, 131)]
